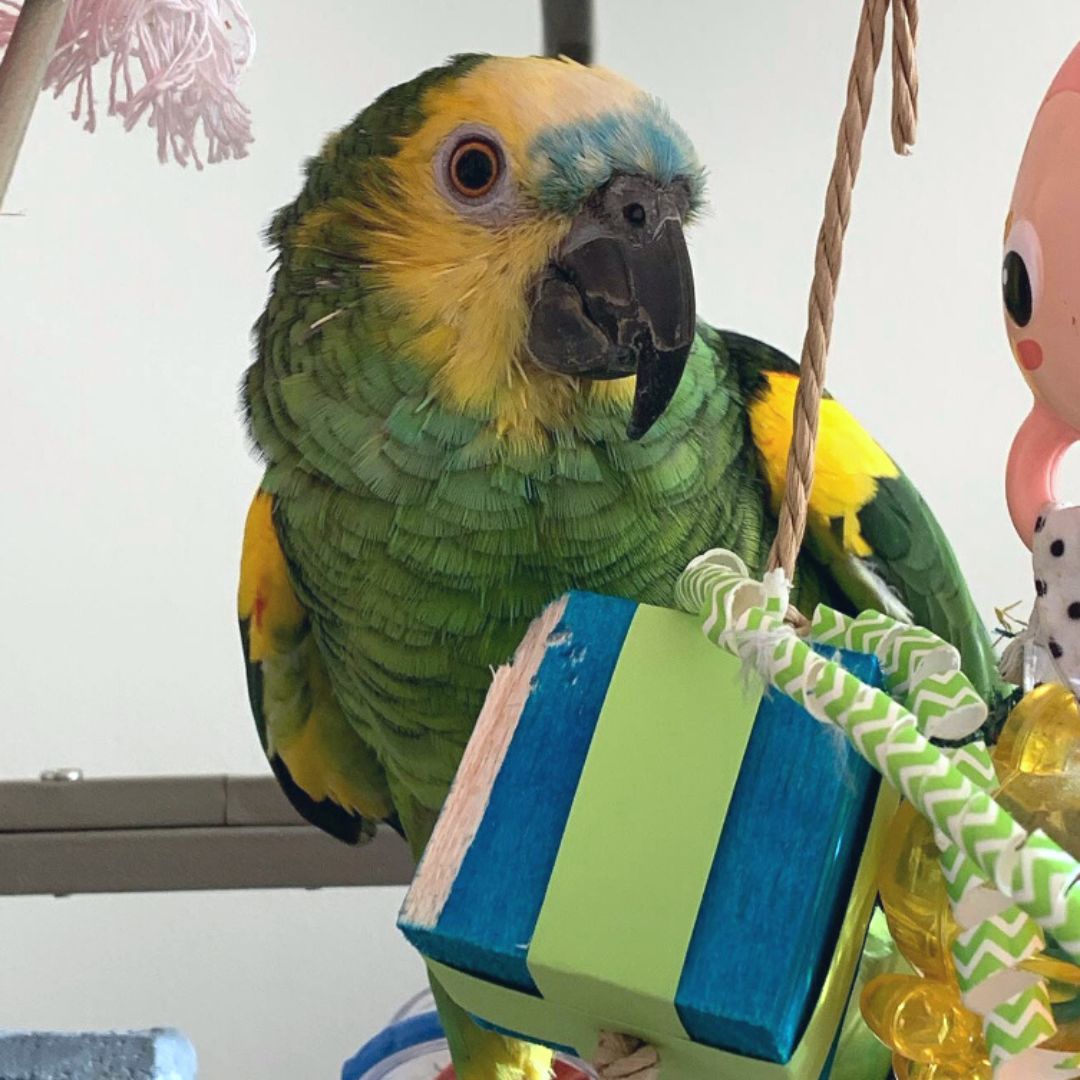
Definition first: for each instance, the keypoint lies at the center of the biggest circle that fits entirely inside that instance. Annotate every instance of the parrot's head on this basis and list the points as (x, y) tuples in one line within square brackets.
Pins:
[(519, 224)]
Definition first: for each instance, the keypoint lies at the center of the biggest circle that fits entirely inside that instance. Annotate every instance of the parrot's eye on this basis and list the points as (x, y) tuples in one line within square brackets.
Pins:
[(474, 167), (1021, 272), (472, 171)]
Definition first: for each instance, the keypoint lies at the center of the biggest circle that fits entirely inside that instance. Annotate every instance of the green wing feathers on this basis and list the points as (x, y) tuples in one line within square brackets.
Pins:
[(869, 529)]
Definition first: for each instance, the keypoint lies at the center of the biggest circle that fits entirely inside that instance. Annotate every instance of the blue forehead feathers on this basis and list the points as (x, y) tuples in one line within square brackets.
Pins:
[(583, 156)]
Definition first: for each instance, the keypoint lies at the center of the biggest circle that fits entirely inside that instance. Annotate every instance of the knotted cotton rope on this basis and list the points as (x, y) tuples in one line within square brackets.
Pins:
[(623, 1057)]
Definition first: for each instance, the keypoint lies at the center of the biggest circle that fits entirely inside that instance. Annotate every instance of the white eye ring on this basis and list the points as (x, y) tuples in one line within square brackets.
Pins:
[(1024, 240), (495, 199)]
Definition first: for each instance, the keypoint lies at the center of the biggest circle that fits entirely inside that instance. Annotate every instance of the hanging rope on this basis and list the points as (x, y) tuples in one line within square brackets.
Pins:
[(623, 1057), (830, 245)]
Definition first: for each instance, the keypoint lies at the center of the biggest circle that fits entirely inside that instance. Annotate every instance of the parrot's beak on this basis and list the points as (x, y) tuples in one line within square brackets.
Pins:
[(618, 298)]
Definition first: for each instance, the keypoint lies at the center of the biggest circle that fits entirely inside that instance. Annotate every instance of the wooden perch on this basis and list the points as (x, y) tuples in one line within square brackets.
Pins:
[(22, 73)]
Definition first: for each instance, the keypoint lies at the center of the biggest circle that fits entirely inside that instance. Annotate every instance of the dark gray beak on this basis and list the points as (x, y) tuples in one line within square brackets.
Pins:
[(618, 298)]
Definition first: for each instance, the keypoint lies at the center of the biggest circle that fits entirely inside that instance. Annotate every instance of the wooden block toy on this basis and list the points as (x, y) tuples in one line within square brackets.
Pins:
[(640, 839)]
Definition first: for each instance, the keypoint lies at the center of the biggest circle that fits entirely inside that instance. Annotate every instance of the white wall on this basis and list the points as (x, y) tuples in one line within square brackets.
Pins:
[(126, 293)]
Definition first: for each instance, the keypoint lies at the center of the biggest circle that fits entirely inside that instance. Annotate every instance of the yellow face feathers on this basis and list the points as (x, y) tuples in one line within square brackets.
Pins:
[(460, 271), (464, 283)]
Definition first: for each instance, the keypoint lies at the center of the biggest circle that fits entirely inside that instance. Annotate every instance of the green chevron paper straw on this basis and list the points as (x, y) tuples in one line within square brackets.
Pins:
[(1018, 1025), (945, 703), (981, 842), (886, 734)]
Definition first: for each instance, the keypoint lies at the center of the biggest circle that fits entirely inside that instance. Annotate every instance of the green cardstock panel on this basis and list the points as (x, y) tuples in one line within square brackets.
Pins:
[(681, 1059), (624, 893)]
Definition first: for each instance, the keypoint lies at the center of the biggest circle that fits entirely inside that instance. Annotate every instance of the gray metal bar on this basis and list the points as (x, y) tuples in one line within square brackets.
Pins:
[(257, 800), (143, 802), (171, 860), (129, 803), (568, 29), (166, 833)]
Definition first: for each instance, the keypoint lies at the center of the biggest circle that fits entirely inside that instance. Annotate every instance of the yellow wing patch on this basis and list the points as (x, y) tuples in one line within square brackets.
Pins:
[(326, 757), (266, 596), (303, 721), (847, 465)]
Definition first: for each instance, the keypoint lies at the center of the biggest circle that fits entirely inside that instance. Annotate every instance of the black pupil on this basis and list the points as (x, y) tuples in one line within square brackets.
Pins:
[(1016, 289), (474, 169)]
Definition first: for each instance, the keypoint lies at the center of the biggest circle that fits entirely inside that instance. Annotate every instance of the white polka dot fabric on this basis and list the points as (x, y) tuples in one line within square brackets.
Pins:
[(1055, 555)]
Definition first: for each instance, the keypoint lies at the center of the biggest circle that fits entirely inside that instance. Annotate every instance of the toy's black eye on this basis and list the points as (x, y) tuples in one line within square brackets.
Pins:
[(1022, 272), (474, 167), (1016, 288)]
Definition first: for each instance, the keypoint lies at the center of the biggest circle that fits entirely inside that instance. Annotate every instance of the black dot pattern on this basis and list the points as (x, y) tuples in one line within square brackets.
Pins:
[(1055, 565)]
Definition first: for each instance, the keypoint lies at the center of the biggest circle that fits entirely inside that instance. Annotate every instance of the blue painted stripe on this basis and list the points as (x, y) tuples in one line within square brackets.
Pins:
[(487, 923), (780, 882)]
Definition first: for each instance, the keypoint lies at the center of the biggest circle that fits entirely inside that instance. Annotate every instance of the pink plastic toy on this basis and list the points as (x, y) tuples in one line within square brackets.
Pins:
[(1041, 284)]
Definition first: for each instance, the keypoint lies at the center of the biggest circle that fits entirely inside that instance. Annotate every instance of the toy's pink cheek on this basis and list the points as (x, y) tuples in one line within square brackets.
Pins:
[(1030, 353)]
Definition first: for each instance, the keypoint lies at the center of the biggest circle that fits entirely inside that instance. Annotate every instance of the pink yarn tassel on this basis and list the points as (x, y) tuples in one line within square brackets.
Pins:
[(177, 62)]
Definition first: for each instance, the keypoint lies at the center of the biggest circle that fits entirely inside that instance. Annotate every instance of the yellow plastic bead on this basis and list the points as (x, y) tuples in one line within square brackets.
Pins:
[(1062, 977), (914, 897), (910, 1070), (1042, 734), (923, 1020), (1038, 761)]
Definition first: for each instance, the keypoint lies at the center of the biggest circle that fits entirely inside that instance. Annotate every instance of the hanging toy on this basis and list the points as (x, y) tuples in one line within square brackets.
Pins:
[(173, 64), (1041, 285)]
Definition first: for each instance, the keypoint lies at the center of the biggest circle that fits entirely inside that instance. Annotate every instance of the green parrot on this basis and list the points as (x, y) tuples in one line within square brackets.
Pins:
[(480, 383)]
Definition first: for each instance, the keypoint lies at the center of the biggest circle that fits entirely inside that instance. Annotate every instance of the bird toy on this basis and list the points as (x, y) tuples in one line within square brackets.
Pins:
[(1040, 280), (175, 63)]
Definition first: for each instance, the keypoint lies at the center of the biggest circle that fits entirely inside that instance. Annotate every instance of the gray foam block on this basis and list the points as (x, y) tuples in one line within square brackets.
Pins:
[(158, 1054)]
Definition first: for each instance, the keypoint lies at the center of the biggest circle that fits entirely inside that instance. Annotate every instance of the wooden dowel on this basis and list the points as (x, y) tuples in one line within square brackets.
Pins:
[(22, 71)]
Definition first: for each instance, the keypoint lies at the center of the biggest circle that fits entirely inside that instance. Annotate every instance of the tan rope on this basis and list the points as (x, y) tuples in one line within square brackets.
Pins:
[(905, 75), (830, 244), (623, 1057)]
